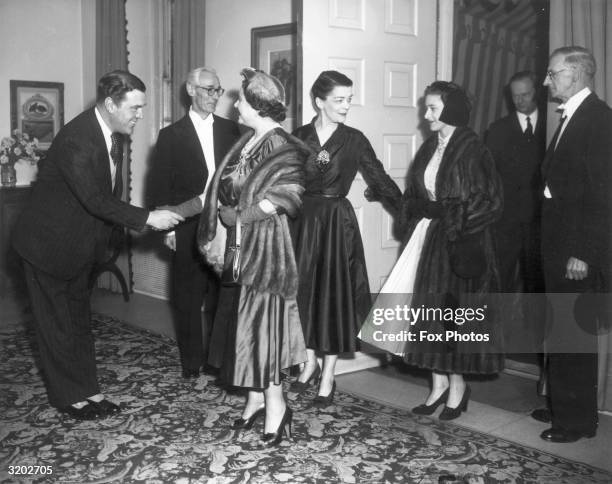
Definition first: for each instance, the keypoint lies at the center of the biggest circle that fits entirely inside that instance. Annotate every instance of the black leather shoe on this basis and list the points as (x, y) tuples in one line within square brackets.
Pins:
[(424, 409), (300, 387), (272, 439), (247, 423), (105, 408), (450, 413), (88, 412), (323, 401), (191, 373), (561, 436), (541, 415)]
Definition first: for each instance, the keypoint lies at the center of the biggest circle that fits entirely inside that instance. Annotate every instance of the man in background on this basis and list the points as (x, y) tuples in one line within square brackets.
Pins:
[(186, 156), (65, 229)]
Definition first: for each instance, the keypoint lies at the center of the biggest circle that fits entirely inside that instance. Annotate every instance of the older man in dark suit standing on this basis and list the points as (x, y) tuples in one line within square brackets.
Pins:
[(66, 225), (575, 240), (187, 154)]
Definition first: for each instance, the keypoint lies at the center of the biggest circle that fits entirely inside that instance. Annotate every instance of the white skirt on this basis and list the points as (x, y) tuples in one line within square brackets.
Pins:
[(401, 283)]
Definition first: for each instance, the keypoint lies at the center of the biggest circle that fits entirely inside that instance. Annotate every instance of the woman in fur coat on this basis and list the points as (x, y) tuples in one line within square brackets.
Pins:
[(447, 269), (256, 189)]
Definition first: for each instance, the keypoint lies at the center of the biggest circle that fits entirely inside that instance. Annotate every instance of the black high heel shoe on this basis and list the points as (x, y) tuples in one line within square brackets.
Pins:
[(274, 438), (300, 387), (424, 409), (247, 423), (324, 401), (452, 413)]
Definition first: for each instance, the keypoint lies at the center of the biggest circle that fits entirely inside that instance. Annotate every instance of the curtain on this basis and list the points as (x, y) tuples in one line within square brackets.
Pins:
[(588, 23), (188, 18), (111, 54), (481, 46)]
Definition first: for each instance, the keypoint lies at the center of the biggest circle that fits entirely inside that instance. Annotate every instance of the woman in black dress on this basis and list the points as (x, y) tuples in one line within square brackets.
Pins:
[(334, 293)]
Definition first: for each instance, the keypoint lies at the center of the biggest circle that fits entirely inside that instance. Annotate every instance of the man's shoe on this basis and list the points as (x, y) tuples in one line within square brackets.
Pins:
[(105, 408), (88, 412), (191, 373), (541, 415), (561, 436)]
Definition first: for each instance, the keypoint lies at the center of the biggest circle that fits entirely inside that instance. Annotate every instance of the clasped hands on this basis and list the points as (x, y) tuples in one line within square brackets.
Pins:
[(162, 219), (576, 269)]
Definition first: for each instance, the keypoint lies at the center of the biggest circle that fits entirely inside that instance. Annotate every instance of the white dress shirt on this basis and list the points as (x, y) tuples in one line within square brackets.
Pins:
[(522, 119), (106, 132), (204, 130)]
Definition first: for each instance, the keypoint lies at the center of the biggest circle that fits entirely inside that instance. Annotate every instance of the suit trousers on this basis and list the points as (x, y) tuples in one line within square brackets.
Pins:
[(194, 283), (66, 348), (572, 353)]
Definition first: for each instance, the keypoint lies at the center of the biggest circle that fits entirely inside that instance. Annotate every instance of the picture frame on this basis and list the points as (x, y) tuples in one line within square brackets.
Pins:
[(275, 50), (37, 108)]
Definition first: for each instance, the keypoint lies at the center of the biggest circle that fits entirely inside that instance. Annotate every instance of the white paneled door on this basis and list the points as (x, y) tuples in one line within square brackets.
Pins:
[(388, 49)]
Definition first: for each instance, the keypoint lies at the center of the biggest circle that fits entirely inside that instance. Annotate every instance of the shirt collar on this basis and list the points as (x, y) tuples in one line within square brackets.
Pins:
[(533, 116), (106, 132), (574, 102), (198, 121)]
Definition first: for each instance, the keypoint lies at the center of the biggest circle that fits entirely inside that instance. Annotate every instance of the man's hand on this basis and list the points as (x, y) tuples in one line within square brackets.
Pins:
[(576, 269), (163, 219), (228, 215), (170, 240)]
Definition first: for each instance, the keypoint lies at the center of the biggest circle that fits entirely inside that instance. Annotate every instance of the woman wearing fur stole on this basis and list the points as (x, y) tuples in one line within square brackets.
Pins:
[(447, 270), (255, 190)]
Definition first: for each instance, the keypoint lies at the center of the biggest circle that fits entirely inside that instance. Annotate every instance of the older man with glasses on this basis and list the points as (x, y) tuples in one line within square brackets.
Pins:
[(575, 242), (186, 156)]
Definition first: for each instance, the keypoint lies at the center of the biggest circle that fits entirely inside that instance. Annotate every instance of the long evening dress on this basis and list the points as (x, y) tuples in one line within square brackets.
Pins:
[(334, 293)]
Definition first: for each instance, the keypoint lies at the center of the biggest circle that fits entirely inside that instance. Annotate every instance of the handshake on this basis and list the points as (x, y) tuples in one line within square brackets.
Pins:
[(167, 216)]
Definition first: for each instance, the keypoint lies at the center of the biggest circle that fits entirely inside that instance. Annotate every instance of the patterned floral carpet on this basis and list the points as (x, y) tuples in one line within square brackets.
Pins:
[(172, 430)]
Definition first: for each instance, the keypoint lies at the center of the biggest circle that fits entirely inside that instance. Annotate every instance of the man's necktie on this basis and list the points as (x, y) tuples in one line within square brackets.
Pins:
[(116, 151), (529, 129), (555, 139)]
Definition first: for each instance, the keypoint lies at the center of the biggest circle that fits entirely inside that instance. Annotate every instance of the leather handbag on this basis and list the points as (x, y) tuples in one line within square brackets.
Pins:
[(231, 266)]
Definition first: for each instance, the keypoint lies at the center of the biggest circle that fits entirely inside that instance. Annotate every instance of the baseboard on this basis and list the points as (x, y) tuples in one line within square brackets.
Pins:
[(524, 370), (356, 362)]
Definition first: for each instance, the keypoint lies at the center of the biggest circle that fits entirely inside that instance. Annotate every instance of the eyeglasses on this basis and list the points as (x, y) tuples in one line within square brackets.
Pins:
[(211, 91), (552, 74)]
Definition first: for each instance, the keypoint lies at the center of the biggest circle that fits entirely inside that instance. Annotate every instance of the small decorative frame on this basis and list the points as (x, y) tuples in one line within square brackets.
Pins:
[(275, 50), (37, 108)]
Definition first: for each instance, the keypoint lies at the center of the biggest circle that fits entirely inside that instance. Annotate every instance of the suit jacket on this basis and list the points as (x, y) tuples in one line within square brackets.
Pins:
[(179, 172), (576, 220), (72, 207), (518, 163)]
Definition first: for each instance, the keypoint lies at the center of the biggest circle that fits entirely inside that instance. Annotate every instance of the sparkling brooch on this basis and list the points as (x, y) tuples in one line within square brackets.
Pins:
[(323, 158)]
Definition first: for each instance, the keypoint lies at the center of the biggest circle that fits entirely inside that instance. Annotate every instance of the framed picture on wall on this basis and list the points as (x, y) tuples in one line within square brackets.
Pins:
[(37, 108), (274, 50)]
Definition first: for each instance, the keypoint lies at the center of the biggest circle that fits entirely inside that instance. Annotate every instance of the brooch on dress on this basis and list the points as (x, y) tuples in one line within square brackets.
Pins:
[(322, 159)]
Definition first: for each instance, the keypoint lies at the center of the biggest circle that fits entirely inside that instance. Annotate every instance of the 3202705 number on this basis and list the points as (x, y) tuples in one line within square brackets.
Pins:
[(30, 470)]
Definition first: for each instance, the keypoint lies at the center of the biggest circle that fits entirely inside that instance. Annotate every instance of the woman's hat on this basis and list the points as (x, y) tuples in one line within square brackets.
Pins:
[(263, 86)]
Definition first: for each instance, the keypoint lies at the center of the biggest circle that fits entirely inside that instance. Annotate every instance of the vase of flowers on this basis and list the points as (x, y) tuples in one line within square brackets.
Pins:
[(18, 146)]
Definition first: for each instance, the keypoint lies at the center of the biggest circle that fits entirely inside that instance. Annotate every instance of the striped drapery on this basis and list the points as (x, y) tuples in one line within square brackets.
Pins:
[(485, 57)]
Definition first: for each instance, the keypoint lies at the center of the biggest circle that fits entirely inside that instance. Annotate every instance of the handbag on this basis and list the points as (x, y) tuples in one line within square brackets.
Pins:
[(231, 266), (467, 255)]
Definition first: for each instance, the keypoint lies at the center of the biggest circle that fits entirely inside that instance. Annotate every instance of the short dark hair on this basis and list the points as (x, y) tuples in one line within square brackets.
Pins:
[(457, 105), (272, 106), (116, 83), (579, 57), (524, 75), (326, 82)]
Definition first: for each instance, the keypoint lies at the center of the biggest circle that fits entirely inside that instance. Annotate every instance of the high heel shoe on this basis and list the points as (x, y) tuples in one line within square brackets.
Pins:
[(300, 387), (424, 409), (452, 413), (274, 438), (324, 401), (247, 423)]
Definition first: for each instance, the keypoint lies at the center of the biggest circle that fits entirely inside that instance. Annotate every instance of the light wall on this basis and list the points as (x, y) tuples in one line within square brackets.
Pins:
[(228, 37), (41, 41)]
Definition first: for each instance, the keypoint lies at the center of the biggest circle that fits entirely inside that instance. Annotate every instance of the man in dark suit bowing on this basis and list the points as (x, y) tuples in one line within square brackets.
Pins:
[(518, 143), (186, 156), (576, 241), (66, 225)]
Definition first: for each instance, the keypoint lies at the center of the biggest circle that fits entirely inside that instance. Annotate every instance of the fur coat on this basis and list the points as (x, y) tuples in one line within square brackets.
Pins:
[(267, 260)]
